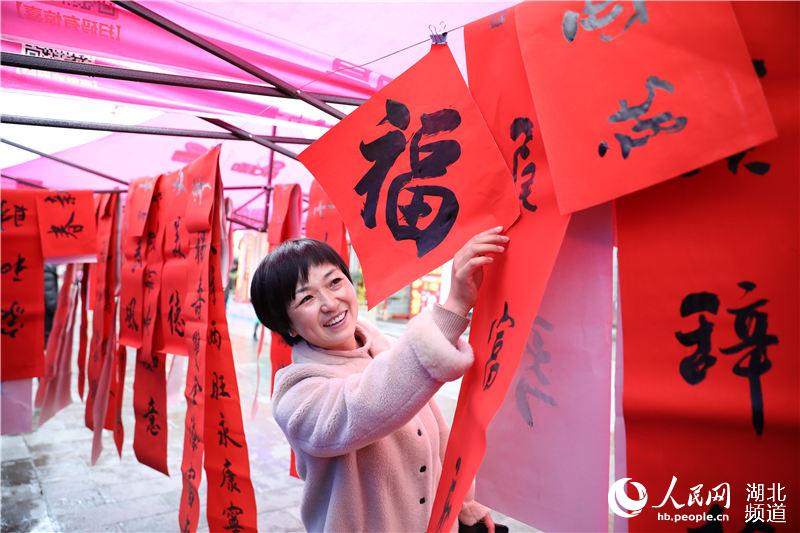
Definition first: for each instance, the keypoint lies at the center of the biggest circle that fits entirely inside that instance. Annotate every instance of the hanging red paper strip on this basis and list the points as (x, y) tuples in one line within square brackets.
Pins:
[(214, 427), (514, 284), (709, 290), (103, 356), (22, 287), (175, 191), (324, 223), (286, 209), (67, 226), (83, 338), (119, 389), (150, 434), (134, 248), (422, 140), (53, 393), (632, 94), (284, 225)]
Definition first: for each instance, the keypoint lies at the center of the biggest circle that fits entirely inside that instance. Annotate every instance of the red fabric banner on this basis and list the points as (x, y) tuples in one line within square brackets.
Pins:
[(421, 139), (632, 94), (214, 427), (67, 226), (514, 283), (22, 287), (709, 291), (324, 223)]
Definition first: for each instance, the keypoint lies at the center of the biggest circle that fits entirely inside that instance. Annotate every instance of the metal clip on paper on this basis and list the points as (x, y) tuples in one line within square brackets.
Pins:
[(440, 36)]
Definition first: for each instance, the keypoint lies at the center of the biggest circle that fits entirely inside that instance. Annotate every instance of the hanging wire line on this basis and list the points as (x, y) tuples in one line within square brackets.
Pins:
[(328, 73)]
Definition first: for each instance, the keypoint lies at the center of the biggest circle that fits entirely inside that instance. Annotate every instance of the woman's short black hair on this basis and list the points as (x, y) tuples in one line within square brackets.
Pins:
[(276, 278)]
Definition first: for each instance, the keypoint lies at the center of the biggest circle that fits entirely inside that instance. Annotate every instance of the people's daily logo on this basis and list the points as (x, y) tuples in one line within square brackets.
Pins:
[(621, 504)]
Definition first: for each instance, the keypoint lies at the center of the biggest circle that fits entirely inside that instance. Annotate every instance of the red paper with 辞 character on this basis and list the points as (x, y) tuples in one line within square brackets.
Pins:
[(632, 94), (22, 287), (709, 292), (67, 226), (414, 173)]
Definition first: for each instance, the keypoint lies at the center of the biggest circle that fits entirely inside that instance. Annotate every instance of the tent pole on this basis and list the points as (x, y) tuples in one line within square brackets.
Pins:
[(270, 188), (247, 136), (24, 182), (42, 187), (64, 162), (251, 200), (10, 59), (245, 224), (284, 87), (145, 130)]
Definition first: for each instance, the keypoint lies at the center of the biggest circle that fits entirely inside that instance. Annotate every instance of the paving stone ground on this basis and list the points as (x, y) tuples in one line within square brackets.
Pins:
[(49, 485)]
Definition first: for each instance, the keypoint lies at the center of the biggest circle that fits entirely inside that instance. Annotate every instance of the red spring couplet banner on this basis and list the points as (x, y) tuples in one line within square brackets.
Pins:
[(149, 390), (632, 94), (83, 338), (103, 355), (67, 226), (324, 223), (414, 173), (135, 242), (284, 225), (176, 192), (514, 284), (709, 291), (214, 427), (22, 287)]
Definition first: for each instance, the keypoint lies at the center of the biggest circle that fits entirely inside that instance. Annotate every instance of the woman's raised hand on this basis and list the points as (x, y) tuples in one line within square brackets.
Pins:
[(468, 266)]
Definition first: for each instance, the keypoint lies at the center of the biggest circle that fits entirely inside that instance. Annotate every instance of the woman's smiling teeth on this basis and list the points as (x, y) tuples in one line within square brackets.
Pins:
[(335, 320)]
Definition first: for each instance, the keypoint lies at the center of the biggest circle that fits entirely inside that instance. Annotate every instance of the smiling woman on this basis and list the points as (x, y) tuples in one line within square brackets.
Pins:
[(357, 410)]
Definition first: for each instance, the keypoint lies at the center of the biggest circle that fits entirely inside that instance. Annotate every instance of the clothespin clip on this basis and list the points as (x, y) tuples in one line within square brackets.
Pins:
[(438, 36)]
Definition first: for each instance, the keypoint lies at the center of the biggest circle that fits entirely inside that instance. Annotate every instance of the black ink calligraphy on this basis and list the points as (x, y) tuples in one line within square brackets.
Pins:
[(750, 326), (16, 267), (68, 229), (229, 477), (224, 433), (403, 218), (541, 356), (523, 126), (176, 321), (18, 215), (655, 124), (130, 315), (593, 20), (176, 249), (492, 366), (12, 322), (448, 502), (218, 387), (62, 198), (150, 415)]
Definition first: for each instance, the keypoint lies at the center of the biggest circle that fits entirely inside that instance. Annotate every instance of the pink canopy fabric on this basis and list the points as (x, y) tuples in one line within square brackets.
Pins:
[(105, 34), (241, 163)]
